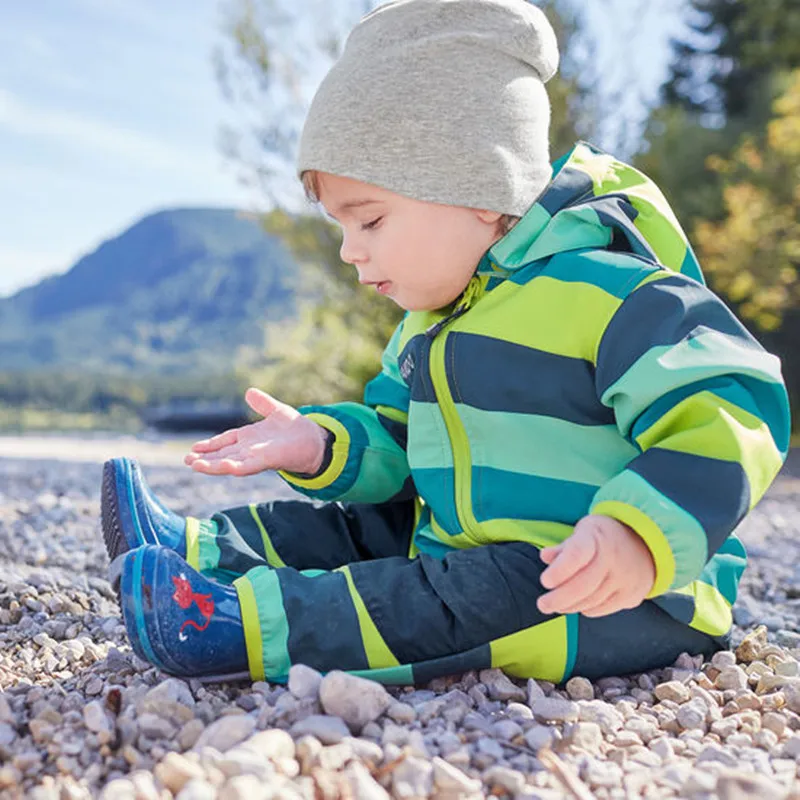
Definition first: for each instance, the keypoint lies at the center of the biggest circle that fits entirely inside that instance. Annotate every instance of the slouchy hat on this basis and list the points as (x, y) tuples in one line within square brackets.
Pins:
[(442, 101)]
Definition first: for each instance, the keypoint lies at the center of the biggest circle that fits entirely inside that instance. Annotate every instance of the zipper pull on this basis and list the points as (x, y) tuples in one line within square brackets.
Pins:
[(464, 304)]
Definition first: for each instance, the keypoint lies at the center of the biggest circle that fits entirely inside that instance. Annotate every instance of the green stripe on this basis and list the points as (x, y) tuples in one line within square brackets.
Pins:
[(392, 676), (208, 552), (272, 621), (428, 444), (273, 559), (546, 446), (664, 368)]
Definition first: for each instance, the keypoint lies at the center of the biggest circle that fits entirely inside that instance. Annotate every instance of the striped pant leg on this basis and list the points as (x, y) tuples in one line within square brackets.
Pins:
[(299, 534), (405, 621)]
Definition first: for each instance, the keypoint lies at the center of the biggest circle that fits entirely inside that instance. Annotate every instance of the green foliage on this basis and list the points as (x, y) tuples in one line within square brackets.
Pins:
[(753, 254)]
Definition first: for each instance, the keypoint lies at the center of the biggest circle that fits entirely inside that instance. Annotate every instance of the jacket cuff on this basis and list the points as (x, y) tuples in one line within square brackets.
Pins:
[(334, 476), (652, 535)]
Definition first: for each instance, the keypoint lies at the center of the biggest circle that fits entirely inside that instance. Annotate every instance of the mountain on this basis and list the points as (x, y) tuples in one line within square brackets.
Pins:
[(184, 290)]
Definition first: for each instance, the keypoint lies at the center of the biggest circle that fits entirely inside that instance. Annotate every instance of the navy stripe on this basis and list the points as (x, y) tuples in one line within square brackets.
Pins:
[(570, 186), (497, 375), (678, 606), (397, 430), (716, 493), (416, 356), (335, 644), (636, 640), (663, 312), (499, 494)]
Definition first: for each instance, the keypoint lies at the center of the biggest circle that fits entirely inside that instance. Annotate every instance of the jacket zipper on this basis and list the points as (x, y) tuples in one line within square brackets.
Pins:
[(459, 443)]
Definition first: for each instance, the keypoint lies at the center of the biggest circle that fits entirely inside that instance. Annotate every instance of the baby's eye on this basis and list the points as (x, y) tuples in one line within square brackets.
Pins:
[(368, 226)]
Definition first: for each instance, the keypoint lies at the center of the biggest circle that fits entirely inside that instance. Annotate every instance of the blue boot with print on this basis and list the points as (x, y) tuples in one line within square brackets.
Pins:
[(180, 621)]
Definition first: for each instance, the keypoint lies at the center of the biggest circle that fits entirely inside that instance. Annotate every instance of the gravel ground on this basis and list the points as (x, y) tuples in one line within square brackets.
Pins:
[(81, 716)]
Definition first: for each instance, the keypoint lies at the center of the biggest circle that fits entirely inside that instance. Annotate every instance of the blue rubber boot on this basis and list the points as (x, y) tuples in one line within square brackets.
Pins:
[(132, 515), (180, 621)]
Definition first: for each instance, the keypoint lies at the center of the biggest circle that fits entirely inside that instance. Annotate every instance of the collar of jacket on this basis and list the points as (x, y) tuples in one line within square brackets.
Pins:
[(591, 199)]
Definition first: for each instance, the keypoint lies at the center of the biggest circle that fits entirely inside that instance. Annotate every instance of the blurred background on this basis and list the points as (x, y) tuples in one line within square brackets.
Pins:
[(157, 255)]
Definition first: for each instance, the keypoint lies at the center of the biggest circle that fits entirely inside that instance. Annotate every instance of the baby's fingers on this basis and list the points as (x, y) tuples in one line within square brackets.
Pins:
[(216, 442), (575, 593), (573, 555)]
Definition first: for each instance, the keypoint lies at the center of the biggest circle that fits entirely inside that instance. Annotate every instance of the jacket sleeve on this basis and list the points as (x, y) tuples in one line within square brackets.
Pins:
[(706, 407), (367, 462)]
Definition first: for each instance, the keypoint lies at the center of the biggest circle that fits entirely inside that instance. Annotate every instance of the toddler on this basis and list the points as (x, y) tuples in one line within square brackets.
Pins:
[(566, 430)]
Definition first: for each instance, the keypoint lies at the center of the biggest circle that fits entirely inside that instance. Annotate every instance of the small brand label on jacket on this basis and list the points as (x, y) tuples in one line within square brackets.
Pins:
[(407, 367)]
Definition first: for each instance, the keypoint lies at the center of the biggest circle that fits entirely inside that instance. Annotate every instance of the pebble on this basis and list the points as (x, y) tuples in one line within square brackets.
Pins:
[(355, 700), (81, 716), (328, 729)]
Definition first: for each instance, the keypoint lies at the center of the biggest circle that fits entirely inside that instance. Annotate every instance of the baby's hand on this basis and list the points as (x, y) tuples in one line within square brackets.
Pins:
[(603, 567), (284, 439)]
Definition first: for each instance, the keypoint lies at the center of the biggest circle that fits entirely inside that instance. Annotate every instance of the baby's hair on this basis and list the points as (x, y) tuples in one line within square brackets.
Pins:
[(310, 179)]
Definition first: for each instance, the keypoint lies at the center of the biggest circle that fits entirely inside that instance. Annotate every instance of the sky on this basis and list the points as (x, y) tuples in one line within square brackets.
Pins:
[(110, 110)]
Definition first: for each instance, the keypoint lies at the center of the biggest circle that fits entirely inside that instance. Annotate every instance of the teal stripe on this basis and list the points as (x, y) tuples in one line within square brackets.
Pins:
[(572, 645), (570, 229), (437, 489), (510, 495), (429, 543), (725, 569), (141, 627), (272, 620), (667, 367), (208, 552), (428, 443), (382, 475), (691, 267), (684, 534), (545, 446), (766, 401), (512, 250), (393, 676), (385, 391), (614, 273)]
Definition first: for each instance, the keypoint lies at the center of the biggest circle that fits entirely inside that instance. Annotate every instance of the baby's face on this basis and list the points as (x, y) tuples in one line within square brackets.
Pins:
[(419, 254)]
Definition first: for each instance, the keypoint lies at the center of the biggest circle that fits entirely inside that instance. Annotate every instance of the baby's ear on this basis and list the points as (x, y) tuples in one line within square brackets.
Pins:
[(489, 217)]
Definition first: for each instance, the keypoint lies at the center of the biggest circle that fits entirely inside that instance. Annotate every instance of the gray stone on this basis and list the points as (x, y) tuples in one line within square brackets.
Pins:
[(326, 728), (226, 732), (197, 789), (304, 681), (355, 700), (580, 689), (500, 686), (555, 709), (96, 719)]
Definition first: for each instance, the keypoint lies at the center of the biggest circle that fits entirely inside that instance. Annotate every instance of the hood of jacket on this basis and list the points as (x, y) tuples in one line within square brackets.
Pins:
[(595, 201)]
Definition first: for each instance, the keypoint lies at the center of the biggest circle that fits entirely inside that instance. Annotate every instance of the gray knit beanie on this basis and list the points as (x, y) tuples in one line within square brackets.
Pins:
[(440, 100)]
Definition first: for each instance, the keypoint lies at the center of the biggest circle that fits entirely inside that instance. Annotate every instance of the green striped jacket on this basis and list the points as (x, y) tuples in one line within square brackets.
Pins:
[(586, 369)]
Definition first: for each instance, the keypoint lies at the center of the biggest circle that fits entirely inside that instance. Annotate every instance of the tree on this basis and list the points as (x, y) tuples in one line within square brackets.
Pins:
[(734, 47), (753, 254)]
